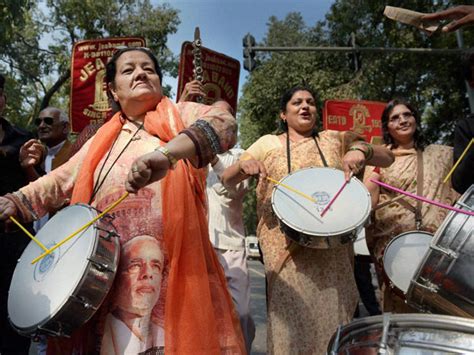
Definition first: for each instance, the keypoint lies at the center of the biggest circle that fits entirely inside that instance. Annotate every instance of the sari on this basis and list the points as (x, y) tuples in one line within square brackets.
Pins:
[(315, 290)]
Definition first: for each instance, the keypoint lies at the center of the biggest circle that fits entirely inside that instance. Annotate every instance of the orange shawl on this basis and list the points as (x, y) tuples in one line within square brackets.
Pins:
[(199, 313)]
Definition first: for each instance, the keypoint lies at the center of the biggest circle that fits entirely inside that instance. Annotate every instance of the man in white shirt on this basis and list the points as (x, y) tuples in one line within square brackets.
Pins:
[(226, 231), (40, 156)]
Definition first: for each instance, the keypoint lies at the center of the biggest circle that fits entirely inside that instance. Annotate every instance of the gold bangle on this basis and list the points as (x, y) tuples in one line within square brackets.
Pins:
[(173, 161)]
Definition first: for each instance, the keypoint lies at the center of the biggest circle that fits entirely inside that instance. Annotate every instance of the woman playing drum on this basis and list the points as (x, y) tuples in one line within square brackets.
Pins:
[(315, 290), (417, 170), (181, 289)]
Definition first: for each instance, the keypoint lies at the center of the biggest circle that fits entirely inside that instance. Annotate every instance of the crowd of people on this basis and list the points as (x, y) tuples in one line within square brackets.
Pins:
[(182, 285)]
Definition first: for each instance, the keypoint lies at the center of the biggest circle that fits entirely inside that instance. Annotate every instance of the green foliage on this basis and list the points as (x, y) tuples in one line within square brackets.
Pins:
[(433, 83), (39, 75)]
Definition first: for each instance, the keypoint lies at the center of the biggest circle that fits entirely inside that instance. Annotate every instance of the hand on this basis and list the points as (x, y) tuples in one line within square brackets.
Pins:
[(192, 90), (146, 169), (461, 16), (253, 167), (7, 209), (31, 153), (353, 162)]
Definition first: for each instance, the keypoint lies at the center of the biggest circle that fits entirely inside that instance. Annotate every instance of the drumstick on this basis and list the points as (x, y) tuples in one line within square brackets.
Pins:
[(85, 226), (41, 245), (423, 199), (302, 194), (336, 195), (458, 161)]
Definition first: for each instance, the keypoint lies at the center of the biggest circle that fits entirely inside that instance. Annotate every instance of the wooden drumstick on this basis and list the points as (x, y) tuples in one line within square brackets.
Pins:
[(458, 161), (302, 194), (41, 245), (85, 226)]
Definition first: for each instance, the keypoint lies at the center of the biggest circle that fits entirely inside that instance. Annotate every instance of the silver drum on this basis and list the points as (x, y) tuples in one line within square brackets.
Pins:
[(300, 219), (63, 290), (397, 334), (444, 283)]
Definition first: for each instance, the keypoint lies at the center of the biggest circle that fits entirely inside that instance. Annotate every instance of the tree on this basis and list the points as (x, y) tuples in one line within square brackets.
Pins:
[(41, 73), (433, 83)]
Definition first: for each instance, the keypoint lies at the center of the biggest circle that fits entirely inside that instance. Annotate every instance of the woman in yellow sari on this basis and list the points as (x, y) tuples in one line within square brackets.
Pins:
[(417, 169), (313, 291)]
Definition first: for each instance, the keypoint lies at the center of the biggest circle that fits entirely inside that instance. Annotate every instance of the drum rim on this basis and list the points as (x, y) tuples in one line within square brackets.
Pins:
[(406, 320), (419, 267), (361, 223), (73, 290)]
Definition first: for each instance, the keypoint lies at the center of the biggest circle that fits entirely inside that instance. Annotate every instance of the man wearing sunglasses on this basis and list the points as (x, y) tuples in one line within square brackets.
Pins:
[(50, 150)]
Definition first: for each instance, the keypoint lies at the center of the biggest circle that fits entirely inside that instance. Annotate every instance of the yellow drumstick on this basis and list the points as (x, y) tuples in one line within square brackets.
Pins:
[(41, 245), (85, 226), (459, 160), (302, 194)]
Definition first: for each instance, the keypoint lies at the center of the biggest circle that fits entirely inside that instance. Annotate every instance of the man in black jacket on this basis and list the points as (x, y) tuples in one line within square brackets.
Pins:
[(12, 241)]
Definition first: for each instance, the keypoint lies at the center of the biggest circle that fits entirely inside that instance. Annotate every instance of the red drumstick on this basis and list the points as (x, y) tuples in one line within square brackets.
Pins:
[(335, 196)]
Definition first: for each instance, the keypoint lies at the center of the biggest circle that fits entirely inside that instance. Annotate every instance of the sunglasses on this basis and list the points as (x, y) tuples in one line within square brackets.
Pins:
[(48, 120)]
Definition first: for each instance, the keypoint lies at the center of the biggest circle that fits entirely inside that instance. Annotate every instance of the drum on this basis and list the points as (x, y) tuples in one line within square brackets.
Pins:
[(402, 257), (360, 244), (414, 334), (63, 290), (300, 218), (445, 280)]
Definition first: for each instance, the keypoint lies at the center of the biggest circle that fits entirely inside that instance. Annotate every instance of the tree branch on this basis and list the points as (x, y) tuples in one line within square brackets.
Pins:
[(57, 85)]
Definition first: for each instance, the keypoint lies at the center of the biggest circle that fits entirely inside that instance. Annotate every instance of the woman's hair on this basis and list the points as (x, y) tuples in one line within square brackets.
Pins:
[(286, 97), (111, 67), (418, 135)]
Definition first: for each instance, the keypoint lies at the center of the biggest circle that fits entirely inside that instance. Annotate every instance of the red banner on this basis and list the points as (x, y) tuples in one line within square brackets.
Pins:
[(220, 74), (89, 103), (362, 117)]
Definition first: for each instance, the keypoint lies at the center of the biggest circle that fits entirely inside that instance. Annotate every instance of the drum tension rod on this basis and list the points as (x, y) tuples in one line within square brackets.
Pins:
[(427, 285), (83, 301), (100, 266), (452, 254)]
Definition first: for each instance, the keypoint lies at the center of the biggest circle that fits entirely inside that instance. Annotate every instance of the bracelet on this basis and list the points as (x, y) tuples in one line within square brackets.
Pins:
[(173, 161), (359, 149), (370, 150)]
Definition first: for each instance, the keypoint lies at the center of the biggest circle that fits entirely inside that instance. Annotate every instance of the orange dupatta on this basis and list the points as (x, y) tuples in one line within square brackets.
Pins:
[(199, 313)]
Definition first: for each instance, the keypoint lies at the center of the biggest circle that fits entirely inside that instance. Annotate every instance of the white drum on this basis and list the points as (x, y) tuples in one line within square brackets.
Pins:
[(63, 290), (301, 219), (360, 244), (402, 257)]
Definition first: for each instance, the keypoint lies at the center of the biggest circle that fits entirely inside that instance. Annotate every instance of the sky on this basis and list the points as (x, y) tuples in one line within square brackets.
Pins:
[(223, 23)]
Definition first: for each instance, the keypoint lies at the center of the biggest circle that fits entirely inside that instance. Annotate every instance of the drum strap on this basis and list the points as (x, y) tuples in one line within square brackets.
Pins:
[(288, 253), (288, 153)]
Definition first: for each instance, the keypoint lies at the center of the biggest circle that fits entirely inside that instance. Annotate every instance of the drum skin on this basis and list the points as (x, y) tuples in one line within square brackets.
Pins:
[(415, 334), (444, 282), (300, 218), (62, 291), (402, 257)]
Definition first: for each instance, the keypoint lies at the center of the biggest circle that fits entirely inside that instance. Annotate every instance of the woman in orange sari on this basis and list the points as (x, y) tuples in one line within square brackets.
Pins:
[(310, 291), (417, 169), (171, 296)]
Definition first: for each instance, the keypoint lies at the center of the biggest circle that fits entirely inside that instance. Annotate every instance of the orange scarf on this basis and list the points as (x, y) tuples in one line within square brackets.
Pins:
[(199, 313)]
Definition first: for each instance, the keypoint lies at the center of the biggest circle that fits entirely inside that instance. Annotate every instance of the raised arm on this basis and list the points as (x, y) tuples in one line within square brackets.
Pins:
[(460, 15)]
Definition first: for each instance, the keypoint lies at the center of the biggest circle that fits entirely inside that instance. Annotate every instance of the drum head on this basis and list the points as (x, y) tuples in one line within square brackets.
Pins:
[(350, 210), (403, 256), (38, 291)]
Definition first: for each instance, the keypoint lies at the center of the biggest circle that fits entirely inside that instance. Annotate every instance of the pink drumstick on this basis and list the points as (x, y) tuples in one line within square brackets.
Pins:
[(335, 196), (421, 198)]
